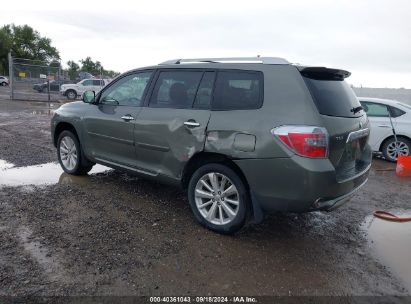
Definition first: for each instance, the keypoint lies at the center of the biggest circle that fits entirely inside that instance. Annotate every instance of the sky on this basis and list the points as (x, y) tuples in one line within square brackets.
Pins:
[(369, 38)]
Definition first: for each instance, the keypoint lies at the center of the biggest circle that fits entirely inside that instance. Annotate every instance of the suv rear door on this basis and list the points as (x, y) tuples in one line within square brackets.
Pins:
[(171, 129), (344, 119)]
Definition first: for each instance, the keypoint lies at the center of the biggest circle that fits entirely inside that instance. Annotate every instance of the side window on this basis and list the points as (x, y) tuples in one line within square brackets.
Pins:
[(204, 92), (375, 109), (127, 91), (395, 112), (175, 89), (238, 90), (97, 82), (88, 82)]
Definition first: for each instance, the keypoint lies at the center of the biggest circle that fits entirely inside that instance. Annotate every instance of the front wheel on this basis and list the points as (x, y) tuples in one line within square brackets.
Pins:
[(218, 198), (392, 150), (69, 154)]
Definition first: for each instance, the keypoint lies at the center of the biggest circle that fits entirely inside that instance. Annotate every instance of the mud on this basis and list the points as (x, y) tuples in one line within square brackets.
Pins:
[(115, 234)]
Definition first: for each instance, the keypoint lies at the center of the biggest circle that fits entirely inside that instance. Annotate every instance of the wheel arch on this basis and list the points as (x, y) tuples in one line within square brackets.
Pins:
[(202, 158), (390, 137), (64, 126)]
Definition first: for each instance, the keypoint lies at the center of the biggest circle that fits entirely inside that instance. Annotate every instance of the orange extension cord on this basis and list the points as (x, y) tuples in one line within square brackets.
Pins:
[(391, 217)]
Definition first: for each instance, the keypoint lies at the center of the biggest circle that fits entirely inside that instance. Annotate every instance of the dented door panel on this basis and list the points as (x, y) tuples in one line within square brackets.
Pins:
[(165, 139)]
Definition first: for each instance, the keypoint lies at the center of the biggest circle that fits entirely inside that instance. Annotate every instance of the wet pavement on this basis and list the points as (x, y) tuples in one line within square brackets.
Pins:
[(110, 233), (390, 243)]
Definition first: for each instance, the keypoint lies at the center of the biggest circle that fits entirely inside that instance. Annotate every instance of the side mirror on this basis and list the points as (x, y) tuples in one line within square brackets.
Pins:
[(89, 96)]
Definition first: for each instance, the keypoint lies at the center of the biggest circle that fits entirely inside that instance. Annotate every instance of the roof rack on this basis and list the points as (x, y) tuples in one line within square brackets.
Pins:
[(263, 60)]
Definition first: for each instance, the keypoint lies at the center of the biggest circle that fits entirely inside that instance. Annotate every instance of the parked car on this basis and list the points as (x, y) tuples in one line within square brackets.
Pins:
[(243, 136), (72, 91), (54, 85), (4, 81), (382, 137)]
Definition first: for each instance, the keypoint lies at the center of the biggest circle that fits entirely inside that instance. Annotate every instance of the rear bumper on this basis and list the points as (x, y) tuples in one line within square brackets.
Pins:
[(298, 184), (332, 204)]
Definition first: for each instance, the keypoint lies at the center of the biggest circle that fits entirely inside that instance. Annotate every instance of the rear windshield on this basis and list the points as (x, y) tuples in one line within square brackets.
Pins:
[(334, 97)]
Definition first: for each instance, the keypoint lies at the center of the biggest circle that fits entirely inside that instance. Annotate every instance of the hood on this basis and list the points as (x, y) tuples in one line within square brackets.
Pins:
[(68, 85)]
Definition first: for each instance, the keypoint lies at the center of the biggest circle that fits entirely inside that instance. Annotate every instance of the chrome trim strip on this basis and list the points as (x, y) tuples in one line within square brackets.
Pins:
[(358, 134)]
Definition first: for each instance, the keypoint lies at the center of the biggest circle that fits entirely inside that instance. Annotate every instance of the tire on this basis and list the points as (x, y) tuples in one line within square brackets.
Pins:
[(3, 84), (71, 94), (388, 148), (69, 161), (221, 220)]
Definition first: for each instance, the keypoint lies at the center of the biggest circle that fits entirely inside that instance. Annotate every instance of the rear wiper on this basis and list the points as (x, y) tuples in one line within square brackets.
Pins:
[(356, 109)]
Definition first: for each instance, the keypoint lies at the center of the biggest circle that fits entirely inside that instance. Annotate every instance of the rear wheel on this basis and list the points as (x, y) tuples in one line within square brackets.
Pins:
[(71, 94), (4, 84), (391, 150), (69, 154), (218, 198)]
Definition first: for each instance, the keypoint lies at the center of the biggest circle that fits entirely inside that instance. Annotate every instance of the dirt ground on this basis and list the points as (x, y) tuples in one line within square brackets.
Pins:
[(115, 234)]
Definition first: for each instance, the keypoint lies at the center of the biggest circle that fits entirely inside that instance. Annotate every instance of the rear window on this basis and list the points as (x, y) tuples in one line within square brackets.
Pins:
[(175, 89), (238, 90), (333, 97), (375, 109)]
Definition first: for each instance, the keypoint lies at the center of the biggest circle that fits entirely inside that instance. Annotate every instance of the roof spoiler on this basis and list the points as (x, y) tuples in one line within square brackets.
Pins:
[(323, 73)]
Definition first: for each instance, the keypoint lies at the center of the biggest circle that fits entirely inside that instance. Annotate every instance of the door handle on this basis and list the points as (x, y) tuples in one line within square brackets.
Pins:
[(191, 123), (384, 126), (127, 117)]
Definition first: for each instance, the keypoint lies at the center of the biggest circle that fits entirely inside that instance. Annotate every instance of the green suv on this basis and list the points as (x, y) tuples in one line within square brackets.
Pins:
[(243, 136)]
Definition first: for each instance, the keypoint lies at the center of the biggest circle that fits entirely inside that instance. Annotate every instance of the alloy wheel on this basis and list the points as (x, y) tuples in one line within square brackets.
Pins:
[(68, 153), (217, 198), (398, 148)]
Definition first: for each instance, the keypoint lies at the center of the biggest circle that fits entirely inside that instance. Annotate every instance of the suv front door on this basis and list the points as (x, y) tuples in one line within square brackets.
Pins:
[(109, 125), (172, 128)]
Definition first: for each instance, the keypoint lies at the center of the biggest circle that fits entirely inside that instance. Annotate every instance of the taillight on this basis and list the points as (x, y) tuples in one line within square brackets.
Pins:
[(307, 141)]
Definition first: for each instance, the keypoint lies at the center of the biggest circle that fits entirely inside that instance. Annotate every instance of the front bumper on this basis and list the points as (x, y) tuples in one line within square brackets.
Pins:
[(298, 184)]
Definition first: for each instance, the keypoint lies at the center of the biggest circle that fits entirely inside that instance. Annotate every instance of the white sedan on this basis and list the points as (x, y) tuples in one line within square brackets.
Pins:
[(382, 138)]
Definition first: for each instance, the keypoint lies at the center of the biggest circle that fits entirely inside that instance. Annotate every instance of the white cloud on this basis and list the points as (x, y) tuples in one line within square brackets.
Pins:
[(369, 38)]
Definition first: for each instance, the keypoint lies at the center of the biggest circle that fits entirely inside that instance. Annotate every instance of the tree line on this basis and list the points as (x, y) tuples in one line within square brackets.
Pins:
[(25, 42)]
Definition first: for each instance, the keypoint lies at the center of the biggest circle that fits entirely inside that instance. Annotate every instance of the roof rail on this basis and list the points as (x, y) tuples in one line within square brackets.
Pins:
[(263, 60)]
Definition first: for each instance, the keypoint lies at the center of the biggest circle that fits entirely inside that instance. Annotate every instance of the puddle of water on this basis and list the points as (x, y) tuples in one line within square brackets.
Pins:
[(5, 165), (50, 173), (391, 243)]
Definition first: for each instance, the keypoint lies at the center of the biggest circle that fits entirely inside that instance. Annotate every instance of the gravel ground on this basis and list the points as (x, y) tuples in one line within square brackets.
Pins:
[(114, 234)]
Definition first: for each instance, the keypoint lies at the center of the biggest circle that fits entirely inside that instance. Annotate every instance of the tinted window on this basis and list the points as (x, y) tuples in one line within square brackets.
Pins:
[(238, 90), (175, 89), (88, 82), (127, 91), (333, 97), (395, 112), (97, 82), (204, 92), (375, 109)]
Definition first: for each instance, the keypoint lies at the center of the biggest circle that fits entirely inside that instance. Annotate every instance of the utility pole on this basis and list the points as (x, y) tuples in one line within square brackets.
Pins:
[(11, 81)]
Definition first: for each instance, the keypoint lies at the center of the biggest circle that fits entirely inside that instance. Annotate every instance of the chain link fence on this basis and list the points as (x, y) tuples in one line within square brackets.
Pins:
[(35, 80)]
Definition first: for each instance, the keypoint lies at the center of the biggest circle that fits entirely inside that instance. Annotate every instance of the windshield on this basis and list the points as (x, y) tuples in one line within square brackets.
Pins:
[(334, 97)]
